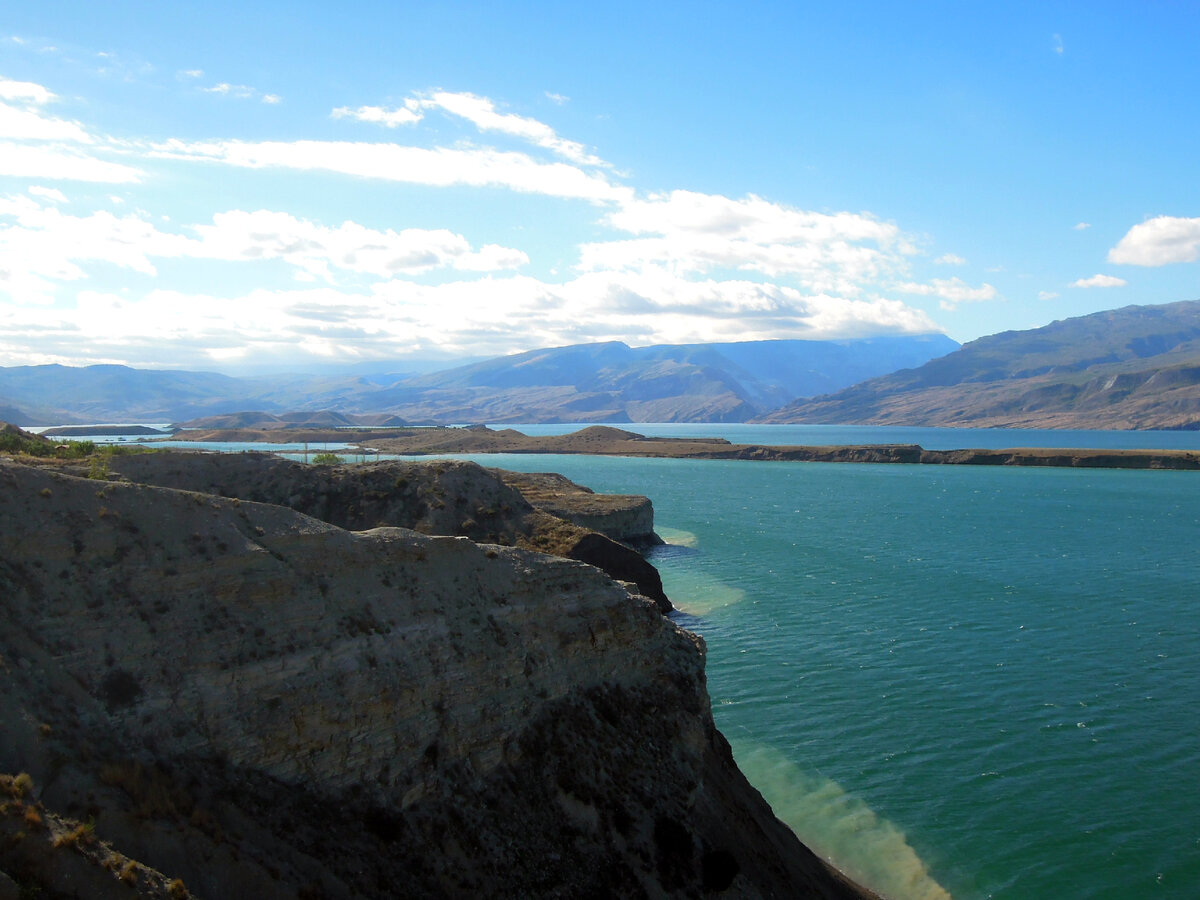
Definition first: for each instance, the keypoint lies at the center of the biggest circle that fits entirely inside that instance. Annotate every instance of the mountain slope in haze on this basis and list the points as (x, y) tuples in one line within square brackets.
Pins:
[(1135, 367), (607, 382), (69, 394), (612, 382)]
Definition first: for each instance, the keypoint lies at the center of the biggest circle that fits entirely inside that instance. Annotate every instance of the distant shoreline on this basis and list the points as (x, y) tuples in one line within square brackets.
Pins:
[(607, 441)]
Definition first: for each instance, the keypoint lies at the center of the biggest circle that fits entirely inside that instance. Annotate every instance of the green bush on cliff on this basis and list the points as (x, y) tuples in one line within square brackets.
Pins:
[(327, 459), (20, 442)]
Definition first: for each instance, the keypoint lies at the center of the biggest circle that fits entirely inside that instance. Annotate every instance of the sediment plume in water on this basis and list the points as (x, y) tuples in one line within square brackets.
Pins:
[(839, 826)]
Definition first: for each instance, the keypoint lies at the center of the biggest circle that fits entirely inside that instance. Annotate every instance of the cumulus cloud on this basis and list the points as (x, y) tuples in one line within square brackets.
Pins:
[(34, 144), (394, 318), (439, 166), (409, 114), (1081, 226), (225, 89), (694, 233), (1099, 281), (40, 246), (683, 266), (21, 116), (317, 249), (1158, 242), (25, 90), (950, 291), (53, 194)]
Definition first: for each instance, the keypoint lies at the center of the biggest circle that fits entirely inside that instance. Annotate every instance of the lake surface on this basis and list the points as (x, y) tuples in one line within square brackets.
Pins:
[(929, 438), (966, 681)]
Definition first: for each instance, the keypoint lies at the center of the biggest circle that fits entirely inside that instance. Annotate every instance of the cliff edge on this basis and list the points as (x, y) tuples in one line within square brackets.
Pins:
[(243, 699)]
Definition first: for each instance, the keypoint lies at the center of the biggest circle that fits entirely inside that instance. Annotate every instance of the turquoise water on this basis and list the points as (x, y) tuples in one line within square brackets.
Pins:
[(965, 681), (929, 438)]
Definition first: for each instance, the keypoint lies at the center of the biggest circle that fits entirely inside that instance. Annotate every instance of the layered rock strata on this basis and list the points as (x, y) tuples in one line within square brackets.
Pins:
[(266, 705), (446, 497)]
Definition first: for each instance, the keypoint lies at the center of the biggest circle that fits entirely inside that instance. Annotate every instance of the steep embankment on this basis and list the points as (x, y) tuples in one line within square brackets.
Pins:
[(1136, 367), (443, 497), (268, 706)]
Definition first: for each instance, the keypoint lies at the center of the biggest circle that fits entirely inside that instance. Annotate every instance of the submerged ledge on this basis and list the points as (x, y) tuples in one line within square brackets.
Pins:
[(602, 440)]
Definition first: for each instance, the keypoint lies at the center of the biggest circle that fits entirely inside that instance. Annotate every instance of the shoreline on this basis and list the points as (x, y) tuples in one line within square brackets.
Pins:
[(601, 440)]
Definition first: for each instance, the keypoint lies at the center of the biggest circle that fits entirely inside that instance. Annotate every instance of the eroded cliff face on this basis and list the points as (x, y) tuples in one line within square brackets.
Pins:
[(267, 705), (443, 497)]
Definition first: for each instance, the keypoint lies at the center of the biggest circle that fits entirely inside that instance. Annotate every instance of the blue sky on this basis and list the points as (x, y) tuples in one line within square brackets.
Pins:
[(230, 186)]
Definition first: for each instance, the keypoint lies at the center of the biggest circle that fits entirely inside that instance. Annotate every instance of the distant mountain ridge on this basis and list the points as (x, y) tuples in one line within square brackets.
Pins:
[(1135, 367), (605, 382)]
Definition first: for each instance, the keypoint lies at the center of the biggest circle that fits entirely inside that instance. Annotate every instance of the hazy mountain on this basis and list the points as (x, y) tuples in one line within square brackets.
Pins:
[(1136, 367), (612, 382), (609, 382), (105, 393)]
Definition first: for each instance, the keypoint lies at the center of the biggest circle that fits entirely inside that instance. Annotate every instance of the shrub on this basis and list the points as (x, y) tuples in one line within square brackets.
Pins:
[(327, 459)]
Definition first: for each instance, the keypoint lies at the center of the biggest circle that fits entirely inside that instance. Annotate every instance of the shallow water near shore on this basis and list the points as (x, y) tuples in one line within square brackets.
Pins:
[(981, 681)]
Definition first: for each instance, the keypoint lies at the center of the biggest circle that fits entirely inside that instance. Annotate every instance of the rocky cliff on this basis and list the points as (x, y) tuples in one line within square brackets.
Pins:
[(446, 497), (257, 703)]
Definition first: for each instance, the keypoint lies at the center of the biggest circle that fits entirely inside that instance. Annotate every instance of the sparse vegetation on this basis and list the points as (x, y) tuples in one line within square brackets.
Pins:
[(327, 459)]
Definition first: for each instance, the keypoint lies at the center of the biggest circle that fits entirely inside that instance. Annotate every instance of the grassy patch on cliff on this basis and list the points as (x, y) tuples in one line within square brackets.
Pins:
[(18, 442)]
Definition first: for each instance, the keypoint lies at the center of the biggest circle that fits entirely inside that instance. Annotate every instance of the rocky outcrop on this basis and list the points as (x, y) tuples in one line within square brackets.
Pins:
[(628, 518), (542, 512), (266, 705)]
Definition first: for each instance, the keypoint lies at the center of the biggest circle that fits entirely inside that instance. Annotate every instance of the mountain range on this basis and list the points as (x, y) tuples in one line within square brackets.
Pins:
[(1135, 367), (606, 382)]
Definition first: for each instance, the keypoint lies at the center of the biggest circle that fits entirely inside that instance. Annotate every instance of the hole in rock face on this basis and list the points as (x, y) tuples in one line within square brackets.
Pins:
[(719, 868), (676, 851), (119, 689)]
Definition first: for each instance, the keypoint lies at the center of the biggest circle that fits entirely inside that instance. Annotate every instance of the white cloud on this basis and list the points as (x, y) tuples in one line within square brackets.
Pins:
[(317, 249), (30, 124), (241, 91), (694, 233), (25, 90), (36, 145), (22, 119), (950, 259), (560, 99), (40, 161), (1159, 242), (40, 246), (271, 99), (409, 114), (53, 194), (1047, 295), (950, 291), (1081, 226), (1058, 44), (482, 113), (1100, 281), (439, 166), (192, 73)]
